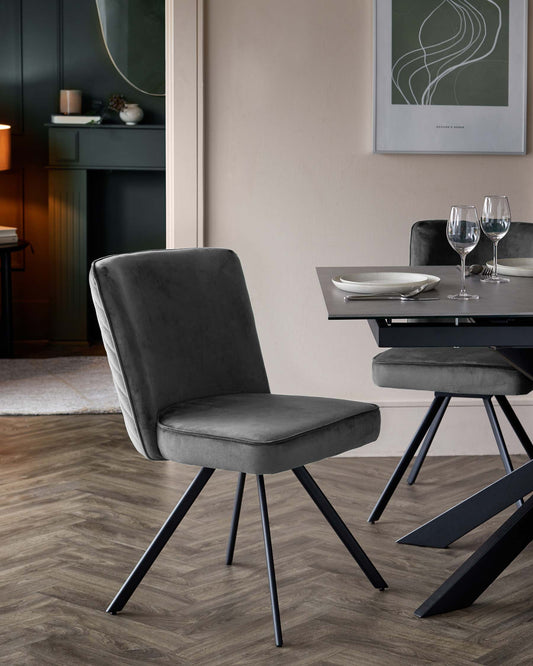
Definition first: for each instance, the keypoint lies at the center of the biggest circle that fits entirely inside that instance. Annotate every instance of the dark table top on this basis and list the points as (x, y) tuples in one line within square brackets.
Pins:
[(13, 247), (506, 300)]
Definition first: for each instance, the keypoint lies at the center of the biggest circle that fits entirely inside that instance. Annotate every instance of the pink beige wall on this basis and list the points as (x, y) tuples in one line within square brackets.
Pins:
[(292, 183)]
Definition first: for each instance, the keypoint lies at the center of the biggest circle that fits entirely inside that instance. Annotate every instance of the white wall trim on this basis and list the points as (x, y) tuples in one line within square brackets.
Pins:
[(465, 428), (184, 21), (200, 125), (522, 401)]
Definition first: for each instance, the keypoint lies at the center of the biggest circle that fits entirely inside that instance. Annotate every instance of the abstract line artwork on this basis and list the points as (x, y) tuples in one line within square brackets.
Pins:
[(450, 52)]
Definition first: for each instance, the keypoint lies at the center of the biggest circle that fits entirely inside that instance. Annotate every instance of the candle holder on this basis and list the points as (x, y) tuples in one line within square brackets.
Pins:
[(69, 102)]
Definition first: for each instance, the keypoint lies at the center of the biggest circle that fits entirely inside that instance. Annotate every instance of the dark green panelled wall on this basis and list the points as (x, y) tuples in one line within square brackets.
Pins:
[(46, 45)]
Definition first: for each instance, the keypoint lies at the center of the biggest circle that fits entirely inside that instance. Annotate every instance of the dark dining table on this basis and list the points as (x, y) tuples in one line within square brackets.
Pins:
[(502, 319)]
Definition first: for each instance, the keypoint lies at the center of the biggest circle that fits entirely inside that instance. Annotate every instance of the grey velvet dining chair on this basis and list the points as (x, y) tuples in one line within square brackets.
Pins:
[(180, 336), (473, 372)]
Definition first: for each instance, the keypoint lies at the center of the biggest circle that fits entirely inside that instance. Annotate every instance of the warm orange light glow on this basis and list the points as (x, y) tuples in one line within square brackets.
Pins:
[(5, 147)]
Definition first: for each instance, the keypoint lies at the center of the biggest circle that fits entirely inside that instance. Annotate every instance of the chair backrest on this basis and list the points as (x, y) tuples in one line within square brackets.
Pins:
[(176, 325), (429, 245)]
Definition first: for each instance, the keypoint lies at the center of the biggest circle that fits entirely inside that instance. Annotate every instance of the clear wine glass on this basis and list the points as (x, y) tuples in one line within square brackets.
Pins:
[(495, 223), (463, 232)]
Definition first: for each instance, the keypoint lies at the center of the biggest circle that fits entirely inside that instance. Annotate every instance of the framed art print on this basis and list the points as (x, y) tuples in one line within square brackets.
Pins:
[(450, 76)]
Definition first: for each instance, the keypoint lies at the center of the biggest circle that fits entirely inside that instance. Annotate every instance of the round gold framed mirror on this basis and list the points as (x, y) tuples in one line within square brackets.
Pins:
[(134, 36)]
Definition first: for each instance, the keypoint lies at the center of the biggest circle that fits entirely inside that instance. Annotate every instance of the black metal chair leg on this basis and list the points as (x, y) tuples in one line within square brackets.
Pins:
[(498, 436), (428, 441), (157, 545), (340, 528), (269, 560), (515, 424), (406, 459), (235, 519)]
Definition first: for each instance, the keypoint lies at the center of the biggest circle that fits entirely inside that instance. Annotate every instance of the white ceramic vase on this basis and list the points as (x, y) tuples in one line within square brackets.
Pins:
[(131, 114)]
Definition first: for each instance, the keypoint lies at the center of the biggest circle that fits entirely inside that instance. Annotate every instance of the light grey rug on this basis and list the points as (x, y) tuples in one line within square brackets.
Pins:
[(66, 385)]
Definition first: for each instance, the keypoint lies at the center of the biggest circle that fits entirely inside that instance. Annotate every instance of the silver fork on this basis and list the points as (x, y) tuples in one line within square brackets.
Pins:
[(473, 269), (487, 271)]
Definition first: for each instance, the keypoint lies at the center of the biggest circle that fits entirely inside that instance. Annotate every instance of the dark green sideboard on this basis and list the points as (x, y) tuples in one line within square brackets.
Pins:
[(73, 151), (138, 147)]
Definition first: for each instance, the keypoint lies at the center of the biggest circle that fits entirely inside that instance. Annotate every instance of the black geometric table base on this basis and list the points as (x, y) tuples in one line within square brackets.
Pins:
[(473, 577), (474, 511)]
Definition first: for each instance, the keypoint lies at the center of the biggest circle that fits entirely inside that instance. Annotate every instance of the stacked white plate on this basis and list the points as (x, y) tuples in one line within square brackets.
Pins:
[(517, 267), (384, 282)]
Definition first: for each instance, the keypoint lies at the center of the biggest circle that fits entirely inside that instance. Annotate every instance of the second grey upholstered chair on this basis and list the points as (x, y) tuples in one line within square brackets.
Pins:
[(185, 357), (469, 372)]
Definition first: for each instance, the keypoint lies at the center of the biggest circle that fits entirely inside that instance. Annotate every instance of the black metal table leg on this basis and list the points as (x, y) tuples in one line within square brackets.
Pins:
[(157, 545), (6, 343), (6, 322), (235, 520), (473, 577), (406, 459), (473, 511)]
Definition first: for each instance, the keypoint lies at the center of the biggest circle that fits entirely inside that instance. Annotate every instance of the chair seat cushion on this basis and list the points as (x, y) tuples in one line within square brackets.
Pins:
[(262, 433), (465, 370)]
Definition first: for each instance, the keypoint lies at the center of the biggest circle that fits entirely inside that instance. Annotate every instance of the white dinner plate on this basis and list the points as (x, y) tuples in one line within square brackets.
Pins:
[(518, 267), (384, 282)]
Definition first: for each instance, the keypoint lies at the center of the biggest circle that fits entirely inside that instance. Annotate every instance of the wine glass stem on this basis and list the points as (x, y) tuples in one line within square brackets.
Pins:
[(463, 276), (495, 252)]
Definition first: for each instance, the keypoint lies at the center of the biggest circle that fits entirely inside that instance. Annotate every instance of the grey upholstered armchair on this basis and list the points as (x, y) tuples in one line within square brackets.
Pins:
[(182, 345), (469, 372)]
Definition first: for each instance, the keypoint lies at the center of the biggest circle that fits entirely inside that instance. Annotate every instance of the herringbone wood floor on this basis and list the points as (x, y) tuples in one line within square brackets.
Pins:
[(79, 505)]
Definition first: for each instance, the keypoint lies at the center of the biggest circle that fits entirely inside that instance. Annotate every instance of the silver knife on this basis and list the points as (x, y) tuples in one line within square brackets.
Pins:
[(390, 297)]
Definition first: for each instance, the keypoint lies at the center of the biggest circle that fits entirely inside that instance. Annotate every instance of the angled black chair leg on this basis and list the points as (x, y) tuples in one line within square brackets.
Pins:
[(406, 459), (428, 440), (498, 436), (269, 560), (515, 424), (235, 519), (340, 528), (157, 545)]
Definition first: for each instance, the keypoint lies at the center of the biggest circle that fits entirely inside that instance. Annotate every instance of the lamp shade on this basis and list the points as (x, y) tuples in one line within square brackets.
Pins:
[(5, 147)]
